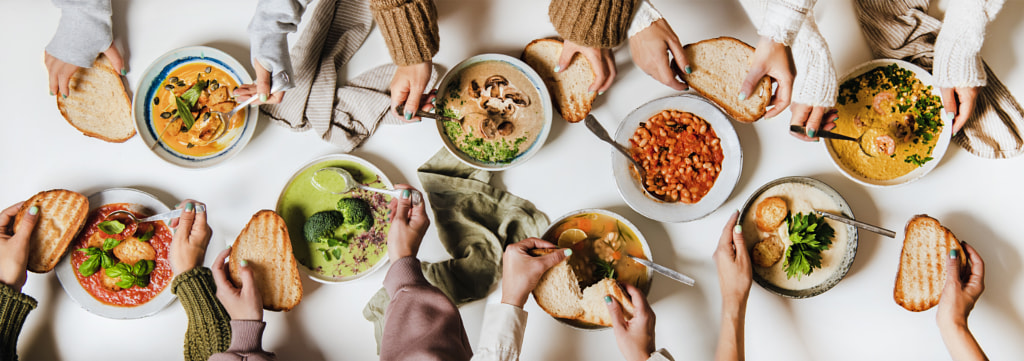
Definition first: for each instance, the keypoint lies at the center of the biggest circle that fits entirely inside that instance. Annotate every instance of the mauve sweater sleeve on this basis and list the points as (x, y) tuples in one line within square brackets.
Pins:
[(421, 323), (246, 343)]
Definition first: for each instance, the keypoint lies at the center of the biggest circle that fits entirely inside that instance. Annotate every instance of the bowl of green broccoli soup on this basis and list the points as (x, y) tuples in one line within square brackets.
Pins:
[(337, 238)]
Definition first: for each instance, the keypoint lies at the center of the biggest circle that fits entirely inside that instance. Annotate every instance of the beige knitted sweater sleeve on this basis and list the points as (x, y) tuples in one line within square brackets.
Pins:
[(409, 28), (593, 23), (957, 60)]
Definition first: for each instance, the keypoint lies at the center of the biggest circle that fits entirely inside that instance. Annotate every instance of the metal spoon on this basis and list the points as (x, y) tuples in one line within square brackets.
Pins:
[(423, 114), (598, 130), (351, 184), (229, 116), (166, 216)]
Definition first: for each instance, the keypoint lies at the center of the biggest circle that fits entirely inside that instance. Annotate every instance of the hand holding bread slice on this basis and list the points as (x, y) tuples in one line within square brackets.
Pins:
[(569, 88), (264, 244), (558, 293), (719, 68), (98, 104), (61, 216), (922, 273)]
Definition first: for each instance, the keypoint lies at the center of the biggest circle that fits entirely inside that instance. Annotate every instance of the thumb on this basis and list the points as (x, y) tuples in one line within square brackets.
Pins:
[(551, 259), (754, 75), (949, 107), (115, 59), (564, 59), (953, 270), (618, 321), (246, 274), (24, 228), (262, 80)]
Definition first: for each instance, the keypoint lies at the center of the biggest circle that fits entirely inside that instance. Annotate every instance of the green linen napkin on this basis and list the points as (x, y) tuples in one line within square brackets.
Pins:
[(475, 222)]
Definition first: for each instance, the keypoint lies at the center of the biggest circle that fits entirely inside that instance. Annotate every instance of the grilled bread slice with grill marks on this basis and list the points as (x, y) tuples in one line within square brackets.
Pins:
[(61, 216), (265, 245), (922, 272), (97, 103)]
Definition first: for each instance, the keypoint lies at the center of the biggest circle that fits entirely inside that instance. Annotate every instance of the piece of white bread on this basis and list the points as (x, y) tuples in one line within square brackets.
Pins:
[(558, 293), (922, 273), (265, 245), (569, 88), (61, 216), (97, 103), (719, 67)]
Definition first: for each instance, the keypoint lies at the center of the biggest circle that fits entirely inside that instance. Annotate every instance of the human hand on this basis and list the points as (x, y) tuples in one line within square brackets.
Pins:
[(243, 303), (61, 72), (958, 105), (409, 223), (636, 336), (191, 236), (771, 59), (602, 61), (520, 271), (14, 246), (650, 49), (811, 118), (733, 262), (958, 298), (407, 88), (261, 88)]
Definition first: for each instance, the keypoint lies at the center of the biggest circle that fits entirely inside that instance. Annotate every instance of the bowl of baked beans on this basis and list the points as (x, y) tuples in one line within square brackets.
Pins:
[(690, 156)]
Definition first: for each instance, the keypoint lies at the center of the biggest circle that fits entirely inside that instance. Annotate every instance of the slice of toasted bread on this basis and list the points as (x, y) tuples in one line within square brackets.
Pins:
[(265, 245), (558, 293), (719, 66), (97, 103), (569, 88), (922, 272), (61, 216)]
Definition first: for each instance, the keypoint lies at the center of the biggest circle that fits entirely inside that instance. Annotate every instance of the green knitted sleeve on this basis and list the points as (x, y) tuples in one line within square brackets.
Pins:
[(209, 325), (14, 307)]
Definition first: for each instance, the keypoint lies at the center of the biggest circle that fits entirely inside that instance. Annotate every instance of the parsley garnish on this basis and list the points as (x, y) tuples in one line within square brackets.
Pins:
[(810, 235)]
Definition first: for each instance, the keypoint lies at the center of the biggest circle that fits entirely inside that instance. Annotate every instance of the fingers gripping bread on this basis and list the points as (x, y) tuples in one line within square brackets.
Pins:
[(265, 245), (97, 103), (922, 272), (558, 293), (570, 87), (719, 67), (61, 216)]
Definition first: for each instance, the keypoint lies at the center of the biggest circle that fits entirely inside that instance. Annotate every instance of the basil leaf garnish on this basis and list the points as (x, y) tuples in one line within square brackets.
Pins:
[(90, 266), (110, 243), (111, 227)]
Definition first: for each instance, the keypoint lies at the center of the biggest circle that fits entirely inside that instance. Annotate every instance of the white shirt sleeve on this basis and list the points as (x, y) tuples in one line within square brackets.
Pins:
[(644, 16), (660, 355), (84, 31), (501, 337), (957, 61)]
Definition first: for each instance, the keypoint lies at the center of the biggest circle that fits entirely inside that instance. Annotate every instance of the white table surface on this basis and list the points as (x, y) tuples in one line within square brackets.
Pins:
[(980, 200)]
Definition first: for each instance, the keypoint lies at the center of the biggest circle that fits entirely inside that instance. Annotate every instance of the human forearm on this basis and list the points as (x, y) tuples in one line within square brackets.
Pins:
[(730, 336), (209, 329), (960, 342)]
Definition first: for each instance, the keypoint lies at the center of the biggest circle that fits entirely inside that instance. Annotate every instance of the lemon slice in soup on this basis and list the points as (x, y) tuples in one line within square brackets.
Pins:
[(570, 237)]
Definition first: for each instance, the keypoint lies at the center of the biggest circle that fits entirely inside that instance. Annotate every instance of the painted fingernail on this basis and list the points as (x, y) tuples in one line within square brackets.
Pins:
[(244, 263), (742, 96), (124, 71), (811, 132), (600, 93), (405, 194), (607, 299), (408, 115), (947, 116), (228, 246), (737, 229), (568, 252), (189, 207), (65, 96), (558, 68), (51, 94), (835, 118), (263, 97), (952, 253), (33, 211), (200, 208), (591, 92), (688, 69)]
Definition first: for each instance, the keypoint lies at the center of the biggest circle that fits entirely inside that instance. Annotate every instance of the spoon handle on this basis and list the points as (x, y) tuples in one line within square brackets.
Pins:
[(166, 216), (598, 130), (400, 108), (415, 195)]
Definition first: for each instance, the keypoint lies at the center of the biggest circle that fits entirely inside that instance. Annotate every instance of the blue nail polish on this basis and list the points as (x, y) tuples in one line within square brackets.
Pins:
[(737, 229), (51, 94), (33, 211), (811, 132), (952, 253), (688, 69), (568, 252), (244, 263), (189, 207), (408, 115), (742, 96), (263, 97), (124, 71), (607, 299), (65, 96), (600, 93), (558, 68), (405, 194)]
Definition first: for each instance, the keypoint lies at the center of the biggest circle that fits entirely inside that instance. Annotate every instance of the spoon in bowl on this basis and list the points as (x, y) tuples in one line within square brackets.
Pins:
[(166, 216), (227, 117), (337, 180), (598, 130)]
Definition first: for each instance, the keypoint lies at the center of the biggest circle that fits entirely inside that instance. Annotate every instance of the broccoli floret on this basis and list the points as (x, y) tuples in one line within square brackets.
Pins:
[(357, 213), (320, 226)]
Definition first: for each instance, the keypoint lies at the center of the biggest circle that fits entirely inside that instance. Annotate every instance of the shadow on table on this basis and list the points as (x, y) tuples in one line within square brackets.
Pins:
[(751, 146), (298, 337), (864, 210), (1002, 263), (42, 344)]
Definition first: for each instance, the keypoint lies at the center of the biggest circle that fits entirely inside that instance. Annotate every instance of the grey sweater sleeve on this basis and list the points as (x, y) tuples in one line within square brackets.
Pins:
[(83, 31), (268, 35)]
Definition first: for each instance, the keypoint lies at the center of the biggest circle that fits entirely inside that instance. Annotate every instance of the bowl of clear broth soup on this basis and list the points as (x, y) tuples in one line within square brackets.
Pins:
[(503, 108)]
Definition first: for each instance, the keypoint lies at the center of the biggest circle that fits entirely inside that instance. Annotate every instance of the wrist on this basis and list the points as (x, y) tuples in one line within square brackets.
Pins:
[(516, 299), (951, 323)]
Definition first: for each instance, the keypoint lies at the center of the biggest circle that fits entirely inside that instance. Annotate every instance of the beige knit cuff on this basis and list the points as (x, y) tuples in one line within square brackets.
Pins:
[(409, 28), (593, 23)]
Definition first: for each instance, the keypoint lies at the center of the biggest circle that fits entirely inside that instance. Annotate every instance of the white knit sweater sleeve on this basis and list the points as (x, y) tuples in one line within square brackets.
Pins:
[(83, 31), (781, 20), (957, 60), (644, 16), (815, 82)]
